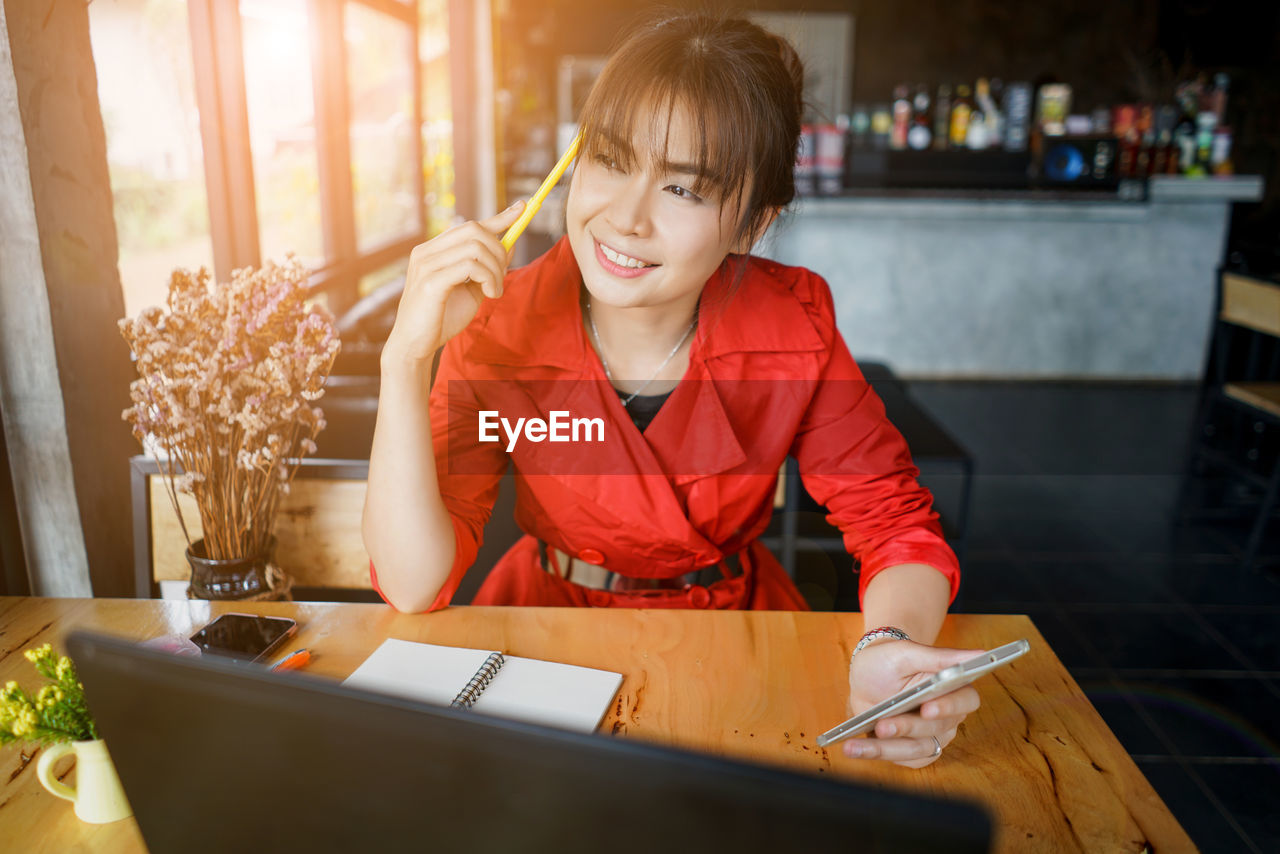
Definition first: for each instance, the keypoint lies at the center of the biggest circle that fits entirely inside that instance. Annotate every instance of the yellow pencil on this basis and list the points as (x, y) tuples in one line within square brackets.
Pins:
[(513, 233)]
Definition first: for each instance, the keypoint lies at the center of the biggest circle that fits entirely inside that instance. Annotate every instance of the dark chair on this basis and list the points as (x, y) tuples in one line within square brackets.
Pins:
[(1239, 417)]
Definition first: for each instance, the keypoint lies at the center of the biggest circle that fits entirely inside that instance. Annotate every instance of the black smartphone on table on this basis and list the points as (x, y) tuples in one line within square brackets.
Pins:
[(244, 637)]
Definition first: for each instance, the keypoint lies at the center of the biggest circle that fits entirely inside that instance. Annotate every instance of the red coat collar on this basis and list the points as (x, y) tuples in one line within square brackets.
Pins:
[(535, 332)]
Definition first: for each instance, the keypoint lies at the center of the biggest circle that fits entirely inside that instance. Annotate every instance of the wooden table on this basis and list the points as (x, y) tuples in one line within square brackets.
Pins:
[(750, 685)]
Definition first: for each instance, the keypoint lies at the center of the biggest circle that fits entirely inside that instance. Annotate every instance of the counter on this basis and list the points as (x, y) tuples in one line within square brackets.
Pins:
[(1021, 284)]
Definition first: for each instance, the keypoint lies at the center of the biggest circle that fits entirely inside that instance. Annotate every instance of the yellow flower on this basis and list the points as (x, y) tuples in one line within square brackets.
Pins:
[(24, 722), (49, 697), (40, 656)]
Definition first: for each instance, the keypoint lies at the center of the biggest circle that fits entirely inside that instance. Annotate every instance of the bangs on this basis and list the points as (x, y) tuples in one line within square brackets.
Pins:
[(634, 103)]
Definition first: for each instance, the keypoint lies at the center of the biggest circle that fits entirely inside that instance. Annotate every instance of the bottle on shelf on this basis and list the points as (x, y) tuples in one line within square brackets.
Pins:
[(1206, 124), (1100, 121), (1218, 96), (991, 119), (961, 112), (860, 127), (805, 170), (1166, 120), (828, 158), (901, 117), (1124, 118), (1053, 108), (942, 117), (1184, 133), (919, 135), (881, 126), (1078, 124), (1220, 155), (1017, 116), (975, 138), (1184, 148), (1217, 161), (1145, 129), (995, 117)]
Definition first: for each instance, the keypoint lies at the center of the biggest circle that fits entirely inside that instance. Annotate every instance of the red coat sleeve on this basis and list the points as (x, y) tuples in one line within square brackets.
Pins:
[(856, 463), (468, 471)]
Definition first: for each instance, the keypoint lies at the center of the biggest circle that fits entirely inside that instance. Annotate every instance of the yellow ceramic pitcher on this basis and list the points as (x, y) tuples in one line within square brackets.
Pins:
[(98, 795)]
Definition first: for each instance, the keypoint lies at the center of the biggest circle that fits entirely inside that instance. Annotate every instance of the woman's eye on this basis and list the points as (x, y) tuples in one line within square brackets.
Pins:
[(682, 193), (607, 162)]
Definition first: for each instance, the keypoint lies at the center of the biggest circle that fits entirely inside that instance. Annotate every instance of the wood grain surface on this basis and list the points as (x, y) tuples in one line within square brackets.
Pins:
[(758, 686)]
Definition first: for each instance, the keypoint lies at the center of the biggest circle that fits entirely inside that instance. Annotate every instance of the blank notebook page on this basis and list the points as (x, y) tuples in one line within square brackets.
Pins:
[(527, 689)]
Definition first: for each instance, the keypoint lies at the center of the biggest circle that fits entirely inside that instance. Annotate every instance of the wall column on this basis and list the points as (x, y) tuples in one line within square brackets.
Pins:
[(66, 370)]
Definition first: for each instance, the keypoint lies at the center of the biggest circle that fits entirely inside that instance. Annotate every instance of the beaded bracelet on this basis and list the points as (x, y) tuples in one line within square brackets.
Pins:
[(877, 634)]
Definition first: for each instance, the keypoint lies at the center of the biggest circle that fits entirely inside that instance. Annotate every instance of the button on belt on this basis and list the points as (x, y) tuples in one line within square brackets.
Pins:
[(699, 596), (591, 556)]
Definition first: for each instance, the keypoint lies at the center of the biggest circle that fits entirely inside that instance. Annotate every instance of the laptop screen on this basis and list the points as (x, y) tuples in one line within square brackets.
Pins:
[(218, 757)]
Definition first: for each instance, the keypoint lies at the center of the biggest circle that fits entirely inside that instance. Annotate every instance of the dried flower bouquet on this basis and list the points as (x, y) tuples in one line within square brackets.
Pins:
[(227, 379)]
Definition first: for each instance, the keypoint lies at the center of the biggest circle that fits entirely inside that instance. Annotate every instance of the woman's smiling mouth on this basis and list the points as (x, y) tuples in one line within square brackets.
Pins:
[(619, 264)]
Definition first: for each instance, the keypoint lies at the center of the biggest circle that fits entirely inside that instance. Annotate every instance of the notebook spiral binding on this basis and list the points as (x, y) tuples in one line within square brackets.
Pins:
[(469, 694)]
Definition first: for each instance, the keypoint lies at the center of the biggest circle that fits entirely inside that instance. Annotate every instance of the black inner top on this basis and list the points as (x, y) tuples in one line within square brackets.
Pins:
[(643, 407)]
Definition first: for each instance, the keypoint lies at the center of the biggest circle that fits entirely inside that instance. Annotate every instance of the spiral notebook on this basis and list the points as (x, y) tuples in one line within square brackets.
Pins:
[(527, 689)]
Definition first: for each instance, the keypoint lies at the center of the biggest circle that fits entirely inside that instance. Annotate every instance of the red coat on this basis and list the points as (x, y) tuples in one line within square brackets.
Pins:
[(769, 375)]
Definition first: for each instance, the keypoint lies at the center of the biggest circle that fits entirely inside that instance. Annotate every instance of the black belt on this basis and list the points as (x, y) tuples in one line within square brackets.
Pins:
[(705, 576)]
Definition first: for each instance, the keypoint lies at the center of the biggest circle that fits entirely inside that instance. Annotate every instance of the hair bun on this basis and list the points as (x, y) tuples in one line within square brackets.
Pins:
[(792, 63)]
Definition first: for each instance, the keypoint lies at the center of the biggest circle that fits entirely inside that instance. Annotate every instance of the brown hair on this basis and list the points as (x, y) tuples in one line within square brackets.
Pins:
[(742, 87)]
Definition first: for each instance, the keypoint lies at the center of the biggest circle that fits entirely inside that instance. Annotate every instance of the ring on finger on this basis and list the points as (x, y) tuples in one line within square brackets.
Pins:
[(937, 747)]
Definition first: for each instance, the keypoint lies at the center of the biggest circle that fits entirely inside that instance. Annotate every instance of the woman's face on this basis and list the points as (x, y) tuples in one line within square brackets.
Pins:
[(644, 238)]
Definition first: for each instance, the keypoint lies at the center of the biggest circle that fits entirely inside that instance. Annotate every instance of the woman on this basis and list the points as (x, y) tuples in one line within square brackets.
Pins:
[(693, 369)]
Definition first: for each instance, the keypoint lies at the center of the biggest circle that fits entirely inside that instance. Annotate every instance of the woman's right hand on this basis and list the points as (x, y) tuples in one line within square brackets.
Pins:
[(449, 278), (914, 739)]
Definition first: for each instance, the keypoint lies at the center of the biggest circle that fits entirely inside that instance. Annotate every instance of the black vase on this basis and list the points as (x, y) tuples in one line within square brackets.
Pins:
[(234, 578)]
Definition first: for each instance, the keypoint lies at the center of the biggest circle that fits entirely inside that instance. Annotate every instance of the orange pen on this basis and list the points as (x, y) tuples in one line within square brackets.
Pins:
[(294, 660)]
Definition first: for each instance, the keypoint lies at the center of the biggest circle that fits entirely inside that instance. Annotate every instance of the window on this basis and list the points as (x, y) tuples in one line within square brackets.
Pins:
[(380, 66), (146, 88), (239, 130), (282, 129), (437, 114)]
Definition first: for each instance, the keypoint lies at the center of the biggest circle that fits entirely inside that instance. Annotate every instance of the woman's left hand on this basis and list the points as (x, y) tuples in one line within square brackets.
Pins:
[(914, 739)]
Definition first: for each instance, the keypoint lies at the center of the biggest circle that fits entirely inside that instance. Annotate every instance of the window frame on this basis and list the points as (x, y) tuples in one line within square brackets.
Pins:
[(218, 62)]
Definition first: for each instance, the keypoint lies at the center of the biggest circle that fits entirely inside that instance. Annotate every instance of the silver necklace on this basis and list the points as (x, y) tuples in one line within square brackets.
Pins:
[(595, 333)]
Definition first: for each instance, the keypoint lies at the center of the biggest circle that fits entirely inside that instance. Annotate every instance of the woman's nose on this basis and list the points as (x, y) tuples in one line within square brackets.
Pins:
[(628, 210)]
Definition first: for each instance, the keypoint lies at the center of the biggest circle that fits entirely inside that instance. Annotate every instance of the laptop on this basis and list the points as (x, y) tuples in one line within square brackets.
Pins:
[(216, 756)]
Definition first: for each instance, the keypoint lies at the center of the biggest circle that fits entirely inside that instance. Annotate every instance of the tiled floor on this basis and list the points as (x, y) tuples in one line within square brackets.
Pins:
[(1176, 644)]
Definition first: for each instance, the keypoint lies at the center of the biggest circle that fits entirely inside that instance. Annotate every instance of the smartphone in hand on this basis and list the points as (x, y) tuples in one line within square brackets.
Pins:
[(244, 637), (943, 682)]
